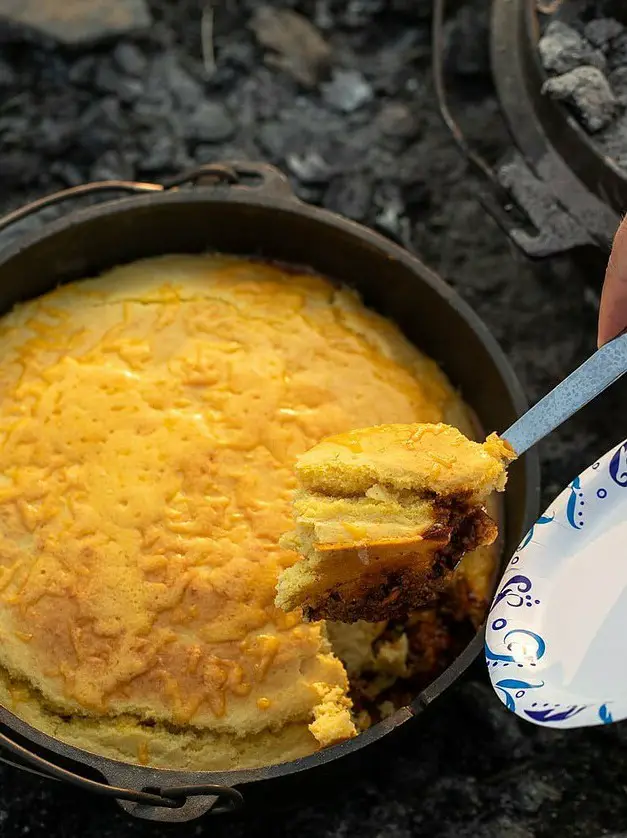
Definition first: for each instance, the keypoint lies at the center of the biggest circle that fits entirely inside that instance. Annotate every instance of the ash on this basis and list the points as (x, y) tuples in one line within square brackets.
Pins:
[(339, 95), (584, 51)]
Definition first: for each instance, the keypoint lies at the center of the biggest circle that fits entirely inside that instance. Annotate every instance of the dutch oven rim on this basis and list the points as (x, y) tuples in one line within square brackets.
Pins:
[(274, 195)]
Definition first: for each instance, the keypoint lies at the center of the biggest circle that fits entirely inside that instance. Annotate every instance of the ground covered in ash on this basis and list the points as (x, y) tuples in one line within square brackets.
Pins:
[(339, 95), (584, 50)]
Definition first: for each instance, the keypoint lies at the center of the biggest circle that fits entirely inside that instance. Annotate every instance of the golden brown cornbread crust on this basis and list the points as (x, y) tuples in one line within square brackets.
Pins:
[(149, 421), (433, 458)]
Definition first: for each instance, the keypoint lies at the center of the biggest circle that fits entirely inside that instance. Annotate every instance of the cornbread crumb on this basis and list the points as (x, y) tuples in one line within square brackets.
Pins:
[(386, 708), (392, 656), (363, 721), (332, 716)]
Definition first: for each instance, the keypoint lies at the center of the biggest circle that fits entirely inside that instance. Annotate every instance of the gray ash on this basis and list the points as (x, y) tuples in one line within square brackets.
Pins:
[(585, 55), (588, 91)]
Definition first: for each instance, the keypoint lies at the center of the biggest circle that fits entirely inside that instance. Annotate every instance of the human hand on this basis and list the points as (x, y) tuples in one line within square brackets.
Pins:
[(613, 311)]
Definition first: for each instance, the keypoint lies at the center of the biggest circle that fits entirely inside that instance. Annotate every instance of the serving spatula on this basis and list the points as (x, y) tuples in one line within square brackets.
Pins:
[(583, 385)]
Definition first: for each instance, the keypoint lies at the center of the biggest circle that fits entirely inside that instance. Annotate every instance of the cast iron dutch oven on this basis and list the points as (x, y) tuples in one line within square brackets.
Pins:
[(249, 209)]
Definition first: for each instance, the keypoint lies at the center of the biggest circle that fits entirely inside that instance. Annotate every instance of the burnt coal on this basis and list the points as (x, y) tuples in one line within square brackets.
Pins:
[(347, 91), (309, 168), (585, 55), (602, 32), (130, 59), (210, 123), (589, 93), (618, 82), (397, 120), (563, 49), (618, 54), (361, 12), (349, 196), (7, 77)]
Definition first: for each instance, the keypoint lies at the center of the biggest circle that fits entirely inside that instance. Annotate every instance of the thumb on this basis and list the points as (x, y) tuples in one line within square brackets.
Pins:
[(613, 310)]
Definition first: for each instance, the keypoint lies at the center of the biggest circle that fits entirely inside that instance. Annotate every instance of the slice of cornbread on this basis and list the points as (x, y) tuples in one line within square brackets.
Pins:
[(383, 516)]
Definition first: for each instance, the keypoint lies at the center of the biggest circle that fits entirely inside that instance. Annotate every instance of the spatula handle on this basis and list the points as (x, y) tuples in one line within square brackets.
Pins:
[(593, 377)]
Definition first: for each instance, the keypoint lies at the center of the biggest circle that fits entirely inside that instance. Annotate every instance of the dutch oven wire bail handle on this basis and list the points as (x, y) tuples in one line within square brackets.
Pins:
[(494, 199), (257, 177), (176, 803)]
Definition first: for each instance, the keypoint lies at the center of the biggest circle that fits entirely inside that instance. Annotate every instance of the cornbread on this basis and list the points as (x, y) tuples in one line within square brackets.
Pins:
[(384, 515), (149, 424)]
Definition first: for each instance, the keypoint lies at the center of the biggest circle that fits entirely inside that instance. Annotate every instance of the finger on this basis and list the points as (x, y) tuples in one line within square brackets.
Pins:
[(613, 310)]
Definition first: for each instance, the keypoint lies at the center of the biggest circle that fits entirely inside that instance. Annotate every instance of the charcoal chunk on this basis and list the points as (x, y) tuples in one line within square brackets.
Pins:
[(417, 9), (613, 141), (67, 173), (396, 120), (309, 168), (19, 167), (52, 137), (588, 92), (350, 196), (167, 76), (618, 80), (360, 12), (347, 91), (83, 71), (390, 218), (163, 151), (110, 81), (101, 125), (7, 76), (112, 166), (130, 59), (602, 31), (617, 56), (562, 48), (210, 123)]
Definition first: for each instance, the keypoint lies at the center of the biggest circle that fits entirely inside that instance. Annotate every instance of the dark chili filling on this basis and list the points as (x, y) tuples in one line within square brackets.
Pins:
[(437, 635), (394, 594)]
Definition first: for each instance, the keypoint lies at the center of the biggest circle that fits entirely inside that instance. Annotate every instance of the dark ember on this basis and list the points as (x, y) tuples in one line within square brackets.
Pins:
[(585, 56), (338, 94)]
